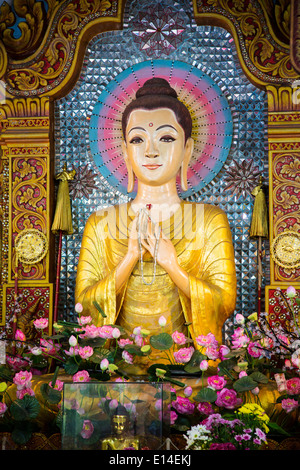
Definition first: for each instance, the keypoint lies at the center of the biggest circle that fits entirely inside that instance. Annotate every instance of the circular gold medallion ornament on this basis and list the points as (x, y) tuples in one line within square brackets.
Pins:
[(31, 246), (285, 249)]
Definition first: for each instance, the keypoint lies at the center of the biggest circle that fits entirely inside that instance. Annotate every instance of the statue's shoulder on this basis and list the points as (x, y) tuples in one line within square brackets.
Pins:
[(107, 215), (210, 210)]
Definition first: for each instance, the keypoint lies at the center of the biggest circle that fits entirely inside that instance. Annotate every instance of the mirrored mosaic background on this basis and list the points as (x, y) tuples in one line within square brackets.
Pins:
[(166, 30)]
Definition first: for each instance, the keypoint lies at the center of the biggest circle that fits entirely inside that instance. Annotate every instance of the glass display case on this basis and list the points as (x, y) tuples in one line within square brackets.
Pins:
[(115, 415)]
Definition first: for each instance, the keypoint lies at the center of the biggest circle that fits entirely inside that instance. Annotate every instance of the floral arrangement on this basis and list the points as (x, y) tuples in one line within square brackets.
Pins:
[(229, 375), (246, 430)]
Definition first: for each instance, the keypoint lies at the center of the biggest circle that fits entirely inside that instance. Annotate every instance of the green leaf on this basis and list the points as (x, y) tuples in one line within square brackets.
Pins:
[(206, 395), (163, 341), (21, 433), (226, 366), (71, 367), (98, 307), (6, 373), (25, 408), (259, 377), (244, 384), (133, 349), (50, 394), (277, 428), (93, 342)]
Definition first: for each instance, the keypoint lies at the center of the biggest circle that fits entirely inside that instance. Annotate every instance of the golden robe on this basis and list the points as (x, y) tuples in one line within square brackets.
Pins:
[(201, 236)]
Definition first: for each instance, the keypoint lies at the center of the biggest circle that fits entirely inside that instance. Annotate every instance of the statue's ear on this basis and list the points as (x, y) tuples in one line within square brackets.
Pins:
[(188, 151), (130, 184)]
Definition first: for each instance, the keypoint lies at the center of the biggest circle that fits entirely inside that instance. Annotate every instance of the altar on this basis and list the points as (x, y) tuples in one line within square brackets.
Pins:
[(106, 277)]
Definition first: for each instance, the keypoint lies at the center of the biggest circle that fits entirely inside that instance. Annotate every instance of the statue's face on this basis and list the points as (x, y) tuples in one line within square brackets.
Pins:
[(155, 145), (119, 424)]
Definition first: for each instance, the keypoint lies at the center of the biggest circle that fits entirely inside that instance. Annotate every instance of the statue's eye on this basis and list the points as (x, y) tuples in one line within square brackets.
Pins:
[(167, 138), (136, 140)]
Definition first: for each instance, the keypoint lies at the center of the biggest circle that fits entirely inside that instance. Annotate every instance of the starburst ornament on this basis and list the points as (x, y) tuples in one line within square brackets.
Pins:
[(241, 177), (83, 184), (158, 30)]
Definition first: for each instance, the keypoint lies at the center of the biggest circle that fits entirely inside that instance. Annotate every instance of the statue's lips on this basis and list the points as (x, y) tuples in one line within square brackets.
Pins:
[(152, 167)]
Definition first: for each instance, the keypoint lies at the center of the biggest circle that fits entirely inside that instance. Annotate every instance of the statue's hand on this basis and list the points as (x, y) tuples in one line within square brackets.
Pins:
[(166, 254), (133, 245)]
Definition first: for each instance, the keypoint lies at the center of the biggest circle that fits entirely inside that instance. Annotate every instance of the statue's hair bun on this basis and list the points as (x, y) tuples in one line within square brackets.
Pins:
[(156, 86)]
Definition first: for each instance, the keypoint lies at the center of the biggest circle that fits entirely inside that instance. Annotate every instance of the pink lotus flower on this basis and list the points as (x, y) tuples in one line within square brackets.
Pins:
[(223, 351), (127, 357), (217, 382), (291, 292), (19, 336), (87, 429), (78, 307), (59, 385), (183, 355), (49, 347), (212, 353), (293, 386), (183, 405), (106, 331), (3, 408), (104, 364), (81, 376), (289, 404), (116, 333), (113, 404), (86, 352), (254, 349), (23, 379), (72, 340), (73, 351), (188, 391), (173, 417), (208, 340), (178, 338), (228, 399), (205, 408), (204, 365), (85, 320), (91, 331), (41, 323), (122, 342), (24, 391)]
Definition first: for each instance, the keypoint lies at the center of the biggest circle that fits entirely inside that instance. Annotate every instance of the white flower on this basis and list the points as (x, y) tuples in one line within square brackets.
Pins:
[(72, 341), (162, 321)]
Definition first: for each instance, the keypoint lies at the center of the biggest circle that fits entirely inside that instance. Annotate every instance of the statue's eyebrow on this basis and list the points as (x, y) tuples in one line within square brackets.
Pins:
[(134, 128), (166, 125)]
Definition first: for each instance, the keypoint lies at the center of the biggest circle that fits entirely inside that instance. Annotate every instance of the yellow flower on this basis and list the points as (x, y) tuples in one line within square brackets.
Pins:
[(257, 411), (3, 387)]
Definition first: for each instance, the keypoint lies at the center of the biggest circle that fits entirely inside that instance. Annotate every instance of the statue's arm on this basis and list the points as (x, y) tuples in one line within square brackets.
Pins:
[(98, 278)]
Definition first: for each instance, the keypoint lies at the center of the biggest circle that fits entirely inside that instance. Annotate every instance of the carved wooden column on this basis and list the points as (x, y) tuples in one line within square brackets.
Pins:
[(35, 69), (27, 170)]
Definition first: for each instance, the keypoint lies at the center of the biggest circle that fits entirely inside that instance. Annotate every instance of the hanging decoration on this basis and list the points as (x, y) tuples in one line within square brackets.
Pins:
[(259, 230), (62, 223)]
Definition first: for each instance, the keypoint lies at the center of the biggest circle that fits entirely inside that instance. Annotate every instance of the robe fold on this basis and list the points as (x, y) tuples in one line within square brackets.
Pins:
[(201, 236)]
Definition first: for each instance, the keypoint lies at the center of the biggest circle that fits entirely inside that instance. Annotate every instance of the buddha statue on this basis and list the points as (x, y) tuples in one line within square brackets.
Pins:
[(158, 255), (120, 438)]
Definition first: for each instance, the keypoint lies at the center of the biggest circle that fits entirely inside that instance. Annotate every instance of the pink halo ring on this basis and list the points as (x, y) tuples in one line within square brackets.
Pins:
[(209, 108)]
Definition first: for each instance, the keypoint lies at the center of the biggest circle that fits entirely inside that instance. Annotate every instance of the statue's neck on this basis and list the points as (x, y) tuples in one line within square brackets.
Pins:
[(155, 195), (163, 200)]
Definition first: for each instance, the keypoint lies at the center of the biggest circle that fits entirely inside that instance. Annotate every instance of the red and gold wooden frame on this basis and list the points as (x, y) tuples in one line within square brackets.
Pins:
[(44, 66)]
